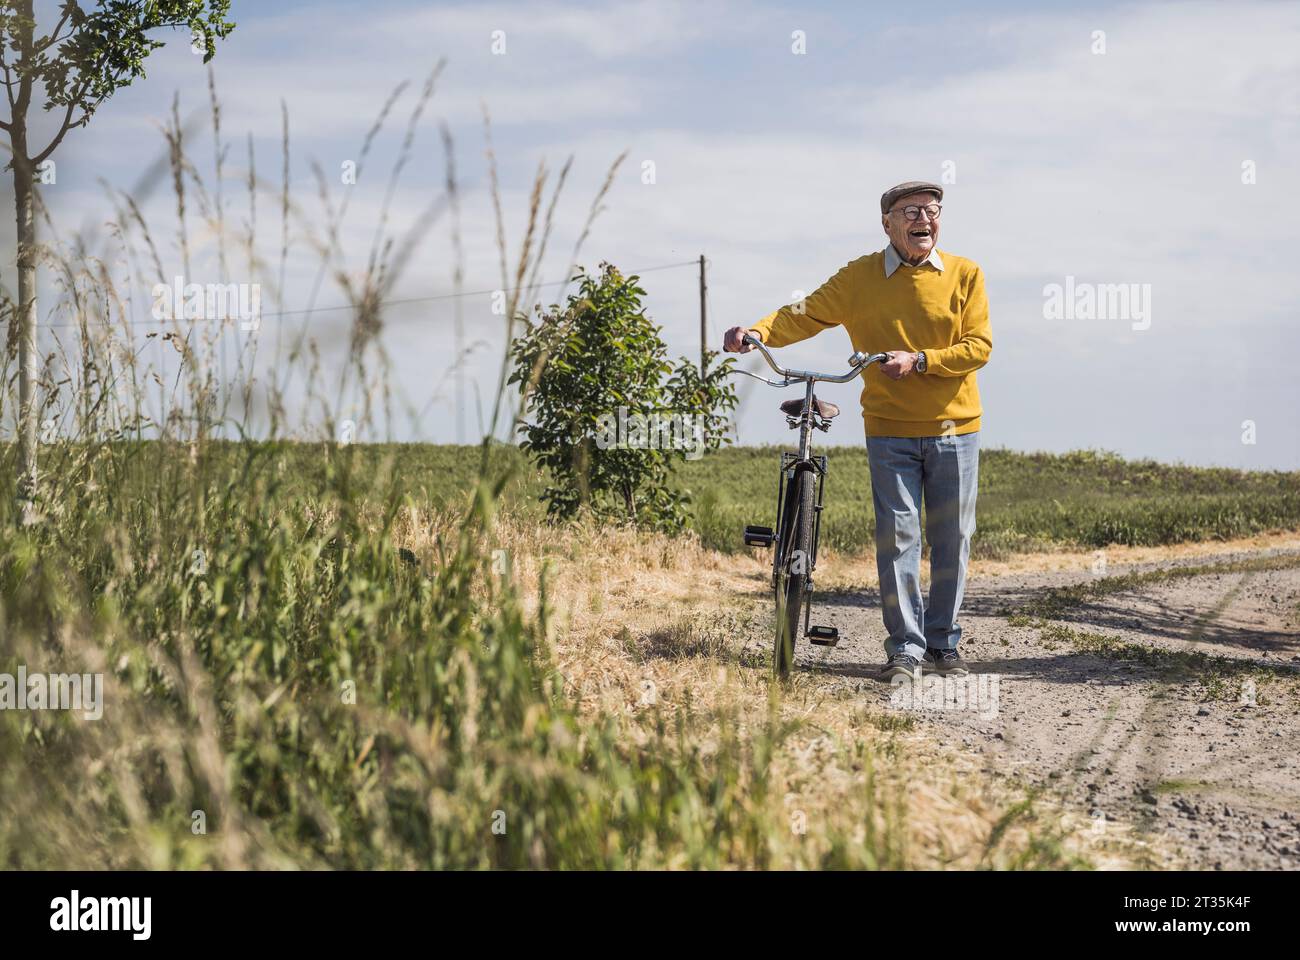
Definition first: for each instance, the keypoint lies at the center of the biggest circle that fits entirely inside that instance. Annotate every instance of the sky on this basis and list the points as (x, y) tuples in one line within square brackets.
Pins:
[(1148, 144)]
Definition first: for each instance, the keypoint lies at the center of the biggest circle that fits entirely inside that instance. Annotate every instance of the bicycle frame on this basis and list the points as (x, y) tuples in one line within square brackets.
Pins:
[(793, 465)]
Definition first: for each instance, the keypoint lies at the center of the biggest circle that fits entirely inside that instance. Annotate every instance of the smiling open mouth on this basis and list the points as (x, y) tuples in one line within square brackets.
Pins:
[(920, 233)]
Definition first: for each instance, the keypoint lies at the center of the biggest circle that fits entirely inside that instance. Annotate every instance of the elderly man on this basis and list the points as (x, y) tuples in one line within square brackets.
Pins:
[(928, 311)]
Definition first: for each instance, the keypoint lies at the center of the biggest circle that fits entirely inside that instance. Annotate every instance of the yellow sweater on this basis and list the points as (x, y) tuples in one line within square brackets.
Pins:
[(943, 312)]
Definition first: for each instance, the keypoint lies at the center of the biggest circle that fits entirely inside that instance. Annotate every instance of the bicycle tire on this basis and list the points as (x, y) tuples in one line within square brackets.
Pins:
[(797, 521)]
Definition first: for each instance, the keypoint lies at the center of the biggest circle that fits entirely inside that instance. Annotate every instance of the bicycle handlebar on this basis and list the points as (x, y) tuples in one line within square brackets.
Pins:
[(859, 362)]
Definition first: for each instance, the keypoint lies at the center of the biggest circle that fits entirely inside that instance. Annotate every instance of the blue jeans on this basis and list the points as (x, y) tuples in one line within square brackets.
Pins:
[(946, 469)]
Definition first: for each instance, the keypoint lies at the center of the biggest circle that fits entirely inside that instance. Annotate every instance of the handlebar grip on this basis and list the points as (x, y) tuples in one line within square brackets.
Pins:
[(750, 339)]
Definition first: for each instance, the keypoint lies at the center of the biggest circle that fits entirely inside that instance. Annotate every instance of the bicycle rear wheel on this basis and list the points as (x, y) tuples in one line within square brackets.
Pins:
[(794, 566)]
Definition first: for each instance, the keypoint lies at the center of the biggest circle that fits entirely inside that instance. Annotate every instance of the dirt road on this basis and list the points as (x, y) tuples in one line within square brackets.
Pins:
[(1158, 699)]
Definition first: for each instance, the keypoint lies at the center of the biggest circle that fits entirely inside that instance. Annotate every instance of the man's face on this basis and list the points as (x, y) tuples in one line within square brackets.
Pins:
[(914, 239)]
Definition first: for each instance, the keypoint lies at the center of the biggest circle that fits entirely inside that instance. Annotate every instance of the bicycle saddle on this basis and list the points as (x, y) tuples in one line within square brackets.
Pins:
[(823, 408)]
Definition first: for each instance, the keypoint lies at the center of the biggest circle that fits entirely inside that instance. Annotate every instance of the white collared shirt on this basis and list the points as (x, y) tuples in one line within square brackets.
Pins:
[(893, 261)]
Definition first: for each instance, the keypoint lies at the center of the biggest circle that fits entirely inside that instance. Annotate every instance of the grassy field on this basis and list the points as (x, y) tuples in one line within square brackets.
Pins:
[(1027, 502)]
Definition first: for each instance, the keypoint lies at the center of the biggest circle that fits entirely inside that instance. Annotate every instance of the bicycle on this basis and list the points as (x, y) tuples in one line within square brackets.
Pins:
[(799, 506)]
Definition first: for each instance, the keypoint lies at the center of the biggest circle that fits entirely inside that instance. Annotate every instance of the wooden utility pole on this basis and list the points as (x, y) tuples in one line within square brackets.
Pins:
[(704, 336)]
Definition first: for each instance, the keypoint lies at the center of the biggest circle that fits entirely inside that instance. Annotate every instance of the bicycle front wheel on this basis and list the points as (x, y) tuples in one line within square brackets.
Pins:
[(794, 567)]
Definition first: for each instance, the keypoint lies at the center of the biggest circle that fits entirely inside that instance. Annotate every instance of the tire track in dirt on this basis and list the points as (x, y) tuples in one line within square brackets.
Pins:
[(1153, 716)]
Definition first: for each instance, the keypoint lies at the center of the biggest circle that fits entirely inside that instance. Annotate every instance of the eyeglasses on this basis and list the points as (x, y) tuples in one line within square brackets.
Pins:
[(913, 212)]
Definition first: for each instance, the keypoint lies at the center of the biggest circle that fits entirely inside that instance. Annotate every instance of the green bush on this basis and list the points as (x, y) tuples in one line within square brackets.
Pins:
[(596, 381)]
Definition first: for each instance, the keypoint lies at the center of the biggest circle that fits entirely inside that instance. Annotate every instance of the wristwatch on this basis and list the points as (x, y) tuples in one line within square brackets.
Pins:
[(920, 362)]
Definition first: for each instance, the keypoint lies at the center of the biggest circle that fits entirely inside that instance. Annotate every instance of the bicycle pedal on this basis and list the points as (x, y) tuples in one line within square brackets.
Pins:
[(759, 536), (824, 636)]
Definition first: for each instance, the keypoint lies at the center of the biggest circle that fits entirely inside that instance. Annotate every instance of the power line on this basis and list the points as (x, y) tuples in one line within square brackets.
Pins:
[(403, 301)]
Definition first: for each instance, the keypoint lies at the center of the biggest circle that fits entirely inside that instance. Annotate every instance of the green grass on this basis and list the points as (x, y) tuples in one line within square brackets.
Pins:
[(1080, 500), (1026, 501)]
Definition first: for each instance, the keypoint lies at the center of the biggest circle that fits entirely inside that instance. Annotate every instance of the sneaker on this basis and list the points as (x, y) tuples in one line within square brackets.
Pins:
[(901, 665), (947, 662)]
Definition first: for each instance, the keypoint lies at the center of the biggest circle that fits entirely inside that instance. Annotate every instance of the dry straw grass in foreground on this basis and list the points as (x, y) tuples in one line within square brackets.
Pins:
[(647, 625)]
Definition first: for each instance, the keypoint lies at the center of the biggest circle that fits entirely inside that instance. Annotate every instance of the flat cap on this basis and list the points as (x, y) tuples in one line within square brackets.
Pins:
[(888, 198)]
